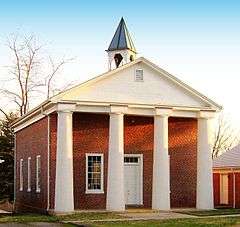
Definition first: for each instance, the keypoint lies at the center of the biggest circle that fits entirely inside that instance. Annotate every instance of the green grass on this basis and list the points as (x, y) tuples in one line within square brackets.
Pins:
[(23, 218), (211, 212), (203, 222), (87, 217)]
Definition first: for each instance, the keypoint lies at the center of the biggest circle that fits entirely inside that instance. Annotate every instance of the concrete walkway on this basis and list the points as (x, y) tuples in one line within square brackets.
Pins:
[(154, 215), (135, 216)]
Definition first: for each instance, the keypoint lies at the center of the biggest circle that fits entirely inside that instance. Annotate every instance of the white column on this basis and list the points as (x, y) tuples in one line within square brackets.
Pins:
[(115, 183), (204, 163), (64, 199), (161, 168)]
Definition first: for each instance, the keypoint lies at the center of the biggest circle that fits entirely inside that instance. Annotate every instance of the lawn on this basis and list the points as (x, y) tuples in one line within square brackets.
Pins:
[(201, 222), (24, 218), (86, 220)]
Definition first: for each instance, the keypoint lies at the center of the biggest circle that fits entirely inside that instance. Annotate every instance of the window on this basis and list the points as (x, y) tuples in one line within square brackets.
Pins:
[(21, 175), (94, 173), (139, 75), (38, 173), (131, 159), (29, 175)]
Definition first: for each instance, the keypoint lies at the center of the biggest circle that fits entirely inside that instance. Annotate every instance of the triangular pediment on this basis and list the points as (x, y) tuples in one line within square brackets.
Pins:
[(120, 86)]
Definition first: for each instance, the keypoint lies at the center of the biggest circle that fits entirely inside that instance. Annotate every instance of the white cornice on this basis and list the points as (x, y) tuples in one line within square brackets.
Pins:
[(107, 108)]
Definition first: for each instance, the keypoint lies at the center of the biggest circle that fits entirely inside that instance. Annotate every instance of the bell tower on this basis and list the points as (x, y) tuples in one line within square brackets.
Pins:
[(121, 49)]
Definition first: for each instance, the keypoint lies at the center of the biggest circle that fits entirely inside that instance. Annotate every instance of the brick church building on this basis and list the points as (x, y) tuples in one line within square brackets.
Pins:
[(133, 136)]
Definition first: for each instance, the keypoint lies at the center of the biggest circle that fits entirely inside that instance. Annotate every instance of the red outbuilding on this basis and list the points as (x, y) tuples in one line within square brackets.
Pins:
[(226, 179)]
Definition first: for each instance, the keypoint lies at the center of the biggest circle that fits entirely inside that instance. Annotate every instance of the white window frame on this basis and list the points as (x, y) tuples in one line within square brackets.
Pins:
[(21, 175), (135, 76), (29, 174), (38, 178), (95, 191)]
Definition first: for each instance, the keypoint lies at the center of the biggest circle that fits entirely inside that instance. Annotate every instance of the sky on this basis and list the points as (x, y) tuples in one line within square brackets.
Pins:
[(197, 41)]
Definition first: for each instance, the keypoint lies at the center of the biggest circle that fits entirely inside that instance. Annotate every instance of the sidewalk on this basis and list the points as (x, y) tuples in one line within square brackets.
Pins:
[(139, 216)]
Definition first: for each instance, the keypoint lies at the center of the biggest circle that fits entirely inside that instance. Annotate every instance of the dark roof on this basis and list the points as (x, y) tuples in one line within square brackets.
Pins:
[(122, 39), (228, 159)]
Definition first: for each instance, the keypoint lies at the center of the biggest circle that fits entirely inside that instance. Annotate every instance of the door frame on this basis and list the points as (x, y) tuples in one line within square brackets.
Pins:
[(140, 156), (222, 190)]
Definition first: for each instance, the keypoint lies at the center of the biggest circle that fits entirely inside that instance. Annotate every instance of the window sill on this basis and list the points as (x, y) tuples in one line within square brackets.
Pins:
[(94, 192)]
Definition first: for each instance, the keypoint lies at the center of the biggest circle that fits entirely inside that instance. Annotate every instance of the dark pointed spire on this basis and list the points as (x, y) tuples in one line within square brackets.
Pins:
[(121, 39)]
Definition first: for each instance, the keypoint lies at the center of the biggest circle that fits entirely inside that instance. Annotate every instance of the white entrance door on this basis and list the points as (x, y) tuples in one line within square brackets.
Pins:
[(223, 188), (133, 179)]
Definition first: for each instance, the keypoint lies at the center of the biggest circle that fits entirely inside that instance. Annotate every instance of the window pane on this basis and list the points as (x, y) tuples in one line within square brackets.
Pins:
[(94, 172)]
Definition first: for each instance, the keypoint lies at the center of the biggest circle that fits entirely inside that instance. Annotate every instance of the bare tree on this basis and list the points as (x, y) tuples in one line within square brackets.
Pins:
[(23, 71), (26, 71), (225, 137), (55, 67)]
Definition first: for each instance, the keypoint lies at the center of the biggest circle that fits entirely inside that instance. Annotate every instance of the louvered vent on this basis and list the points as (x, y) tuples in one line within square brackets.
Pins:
[(139, 75)]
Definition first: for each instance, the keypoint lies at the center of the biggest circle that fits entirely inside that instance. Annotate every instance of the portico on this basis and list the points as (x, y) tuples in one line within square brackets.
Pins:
[(64, 193)]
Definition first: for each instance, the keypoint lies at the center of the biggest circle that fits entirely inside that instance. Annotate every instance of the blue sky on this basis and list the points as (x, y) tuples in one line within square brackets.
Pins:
[(198, 41)]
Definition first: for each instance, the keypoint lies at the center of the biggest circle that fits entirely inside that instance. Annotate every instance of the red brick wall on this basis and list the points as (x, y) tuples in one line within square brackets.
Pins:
[(183, 161), (90, 134), (53, 148), (30, 142), (138, 139), (237, 189)]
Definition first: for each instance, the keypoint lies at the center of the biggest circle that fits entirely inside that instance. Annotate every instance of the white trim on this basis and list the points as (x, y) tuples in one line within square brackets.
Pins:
[(94, 191), (38, 178), (140, 156), (38, 116), (105, 107), (21, 175), (29, 174)]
